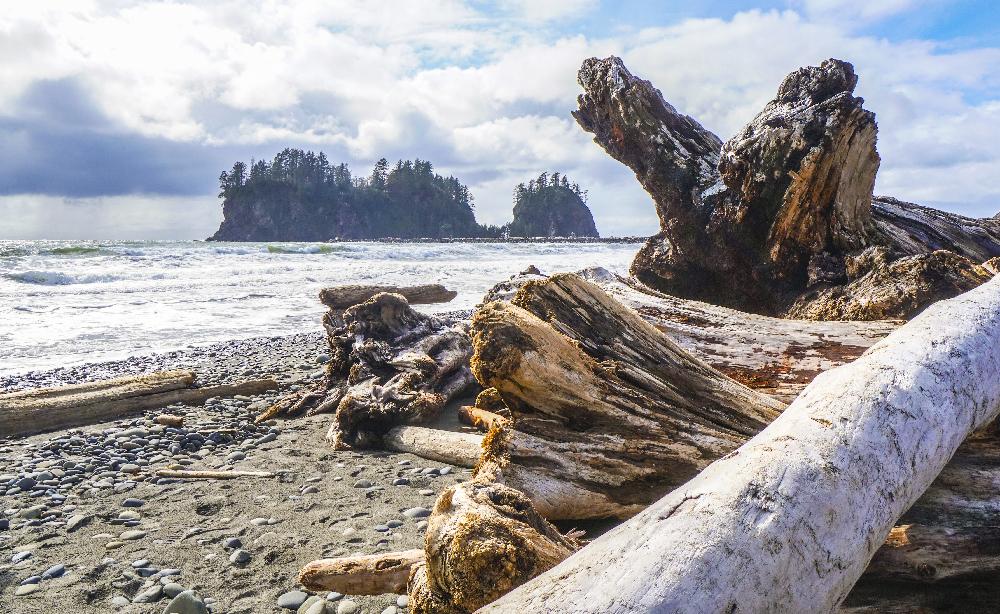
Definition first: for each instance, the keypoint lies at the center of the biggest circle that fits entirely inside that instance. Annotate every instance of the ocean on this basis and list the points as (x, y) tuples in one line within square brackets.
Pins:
[(65, 303)]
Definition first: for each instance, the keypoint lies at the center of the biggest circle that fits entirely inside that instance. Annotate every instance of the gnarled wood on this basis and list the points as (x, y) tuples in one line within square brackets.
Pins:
[(790, 521), (783, 211), (375, 574)]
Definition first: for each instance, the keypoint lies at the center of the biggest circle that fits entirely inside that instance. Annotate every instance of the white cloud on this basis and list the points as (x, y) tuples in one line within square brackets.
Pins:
[(487, 96)]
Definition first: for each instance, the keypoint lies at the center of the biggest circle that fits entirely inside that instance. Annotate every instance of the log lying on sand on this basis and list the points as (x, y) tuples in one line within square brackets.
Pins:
[(340, 298), (781, 219), (375, 574), (460, 449), (790, 521), (48, 409)]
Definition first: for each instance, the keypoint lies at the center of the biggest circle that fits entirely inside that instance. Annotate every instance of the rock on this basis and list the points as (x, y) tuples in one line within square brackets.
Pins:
[(20, 556), (120, 602), (149, 595), (769, 221), (25, 590), (363, 484), (76, 521), (4, 524), (54, 572), (130, 468), (391, 610), (240, 557), (132, 535), (172, 589), (417, 512), (308, 605), (186, 602), (133, 503), (31, 580), (550, 206), (401, 482), (403, 601), (232, 543), (334, 596), (347, 607), (317, 607), (130, 515), (26, 484), (31, 512), (292, 600)]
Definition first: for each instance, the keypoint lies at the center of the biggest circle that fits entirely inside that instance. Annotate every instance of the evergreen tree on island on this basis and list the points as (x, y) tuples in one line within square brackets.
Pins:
[(551, 206)]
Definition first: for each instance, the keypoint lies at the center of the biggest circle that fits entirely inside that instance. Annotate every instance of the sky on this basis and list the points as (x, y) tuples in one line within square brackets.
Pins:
[(117, 117)]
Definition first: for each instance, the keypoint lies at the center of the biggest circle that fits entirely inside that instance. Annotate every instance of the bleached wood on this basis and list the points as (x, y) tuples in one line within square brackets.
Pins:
[(374, 574), (459, 449), (790, 520)]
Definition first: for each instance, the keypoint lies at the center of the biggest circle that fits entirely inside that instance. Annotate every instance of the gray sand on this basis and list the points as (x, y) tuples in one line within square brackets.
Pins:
[(318, 505)]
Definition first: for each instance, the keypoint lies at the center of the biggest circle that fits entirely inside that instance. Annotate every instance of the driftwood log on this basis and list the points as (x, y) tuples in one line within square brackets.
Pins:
[(781, 218), (48, 409), (362, 575), (790, 521), (390, 366), (340, 298)]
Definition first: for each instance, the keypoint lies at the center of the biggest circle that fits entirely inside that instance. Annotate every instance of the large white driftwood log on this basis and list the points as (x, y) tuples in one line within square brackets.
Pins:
[(789, 521)]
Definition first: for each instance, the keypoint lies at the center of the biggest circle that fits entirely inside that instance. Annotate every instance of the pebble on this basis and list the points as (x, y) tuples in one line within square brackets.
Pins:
[(20, 556), (427, 491), (317, 607), (310, 490), (172, 589), (150, 595), (186, 602), (363, 484), (417, 512), (292, 600), (130, 468), (232, 543), (401, 482), (130, 515), (347, 607), (307, 605), (4, 524), (31, 580), (403, 601), (422, 525), (120, 602), (334, 596), (76, 521), (54, 572), (133, 503), (132, 535), (391, 610), (240, 557), (27, 589)]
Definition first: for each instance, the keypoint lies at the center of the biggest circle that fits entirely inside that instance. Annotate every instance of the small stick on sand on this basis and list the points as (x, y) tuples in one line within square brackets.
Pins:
[(191, 474)]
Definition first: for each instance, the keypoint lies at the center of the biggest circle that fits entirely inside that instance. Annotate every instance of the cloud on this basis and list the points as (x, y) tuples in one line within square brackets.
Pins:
[(102, 99)]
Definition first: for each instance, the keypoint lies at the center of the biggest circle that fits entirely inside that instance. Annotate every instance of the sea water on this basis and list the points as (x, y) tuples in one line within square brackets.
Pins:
[(65, 303)]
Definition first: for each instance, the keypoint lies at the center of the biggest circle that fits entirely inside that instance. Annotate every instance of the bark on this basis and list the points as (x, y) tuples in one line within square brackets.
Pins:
[(790, 521), (374, 574), (609, 414), (783, 211), (340, 298), (55, 408), (390, 366)]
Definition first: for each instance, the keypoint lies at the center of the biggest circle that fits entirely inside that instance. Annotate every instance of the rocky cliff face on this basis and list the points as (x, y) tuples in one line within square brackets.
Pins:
[(782, 211), (552, 211)]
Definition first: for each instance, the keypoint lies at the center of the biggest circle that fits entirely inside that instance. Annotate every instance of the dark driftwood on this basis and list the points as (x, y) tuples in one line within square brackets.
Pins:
[(390, 366), (49, 409), (342, 297), (780, 219)]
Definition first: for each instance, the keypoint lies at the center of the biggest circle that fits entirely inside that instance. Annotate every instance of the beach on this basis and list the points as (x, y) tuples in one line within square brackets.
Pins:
[(86, 524), (84, 506)]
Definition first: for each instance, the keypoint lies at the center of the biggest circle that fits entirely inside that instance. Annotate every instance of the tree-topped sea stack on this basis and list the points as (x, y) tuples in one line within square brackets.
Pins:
[(551, 206), (781, 218)]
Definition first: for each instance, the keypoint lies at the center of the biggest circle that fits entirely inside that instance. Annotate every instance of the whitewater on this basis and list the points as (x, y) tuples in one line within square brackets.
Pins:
[(66, 303)]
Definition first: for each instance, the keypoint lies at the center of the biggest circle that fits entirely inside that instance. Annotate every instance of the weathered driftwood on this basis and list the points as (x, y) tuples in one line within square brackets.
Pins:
[(374, 574), (196, 474), (341, 297), (460, 449), (609, 414), (54, 408), (390, 366), (170, 420), (781, 218), (790, 521), (480, 418)]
